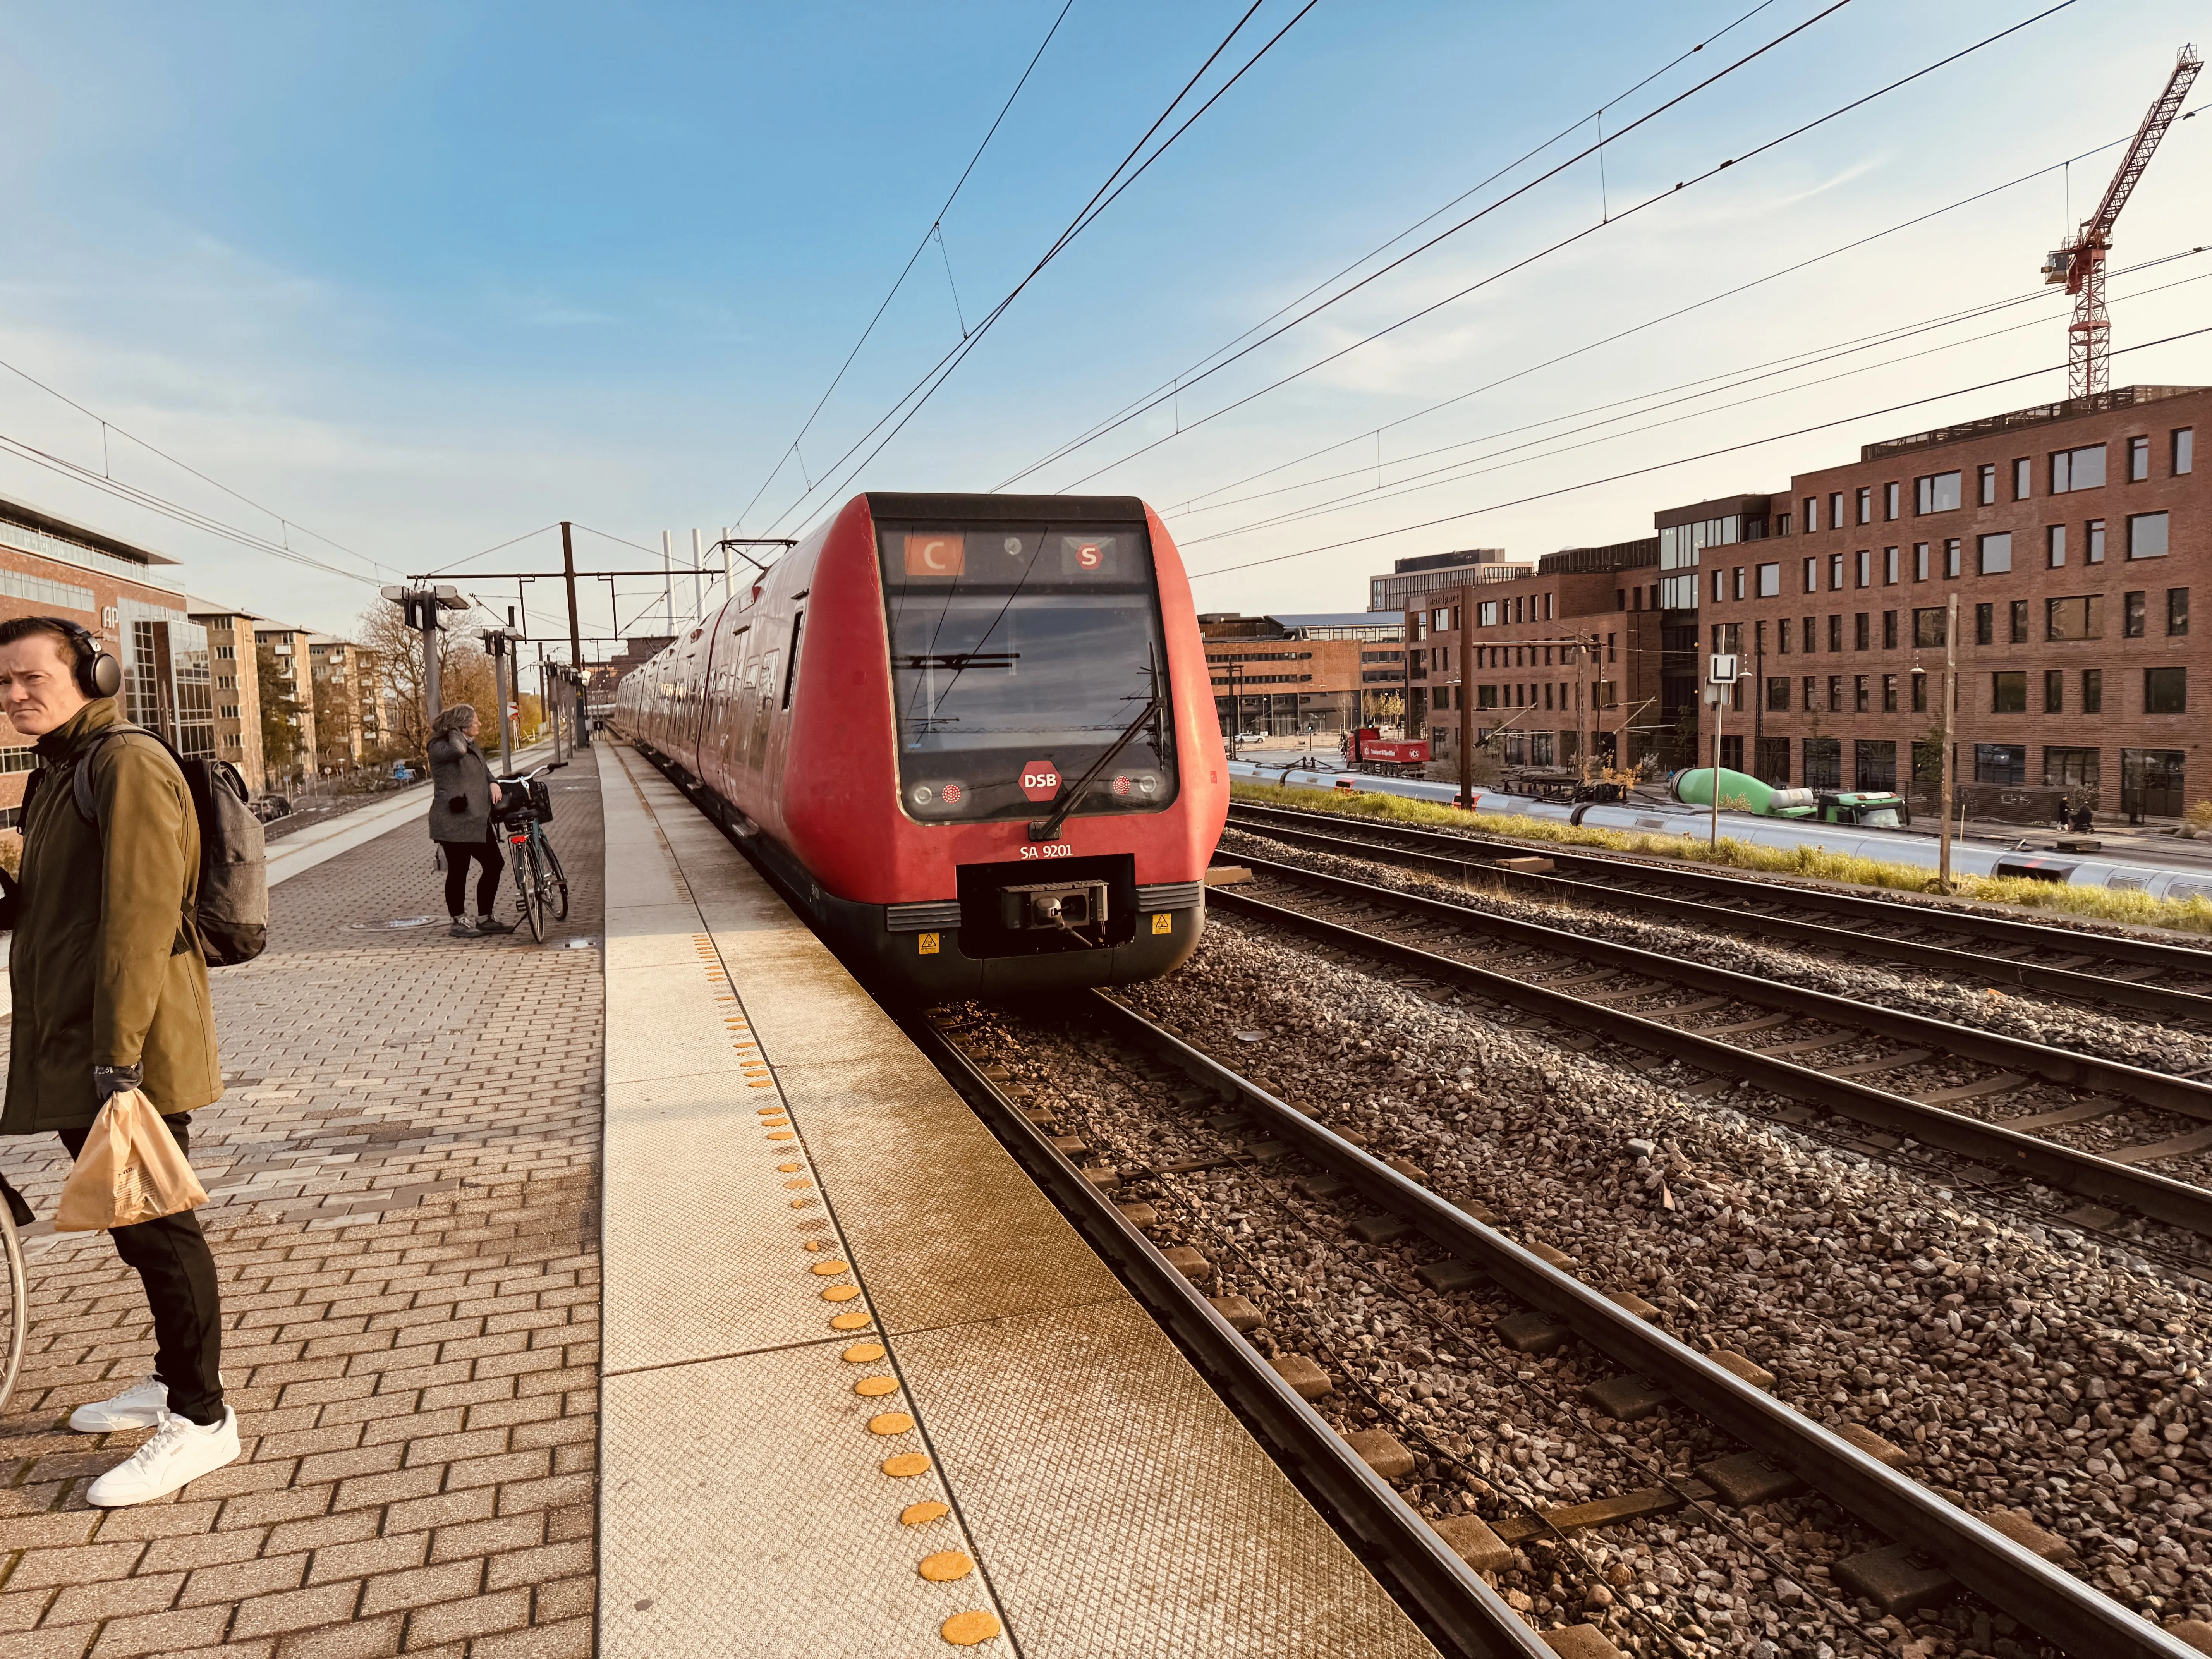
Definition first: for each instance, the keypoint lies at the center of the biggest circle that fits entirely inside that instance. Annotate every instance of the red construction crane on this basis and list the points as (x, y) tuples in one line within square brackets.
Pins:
[(2081, 264)]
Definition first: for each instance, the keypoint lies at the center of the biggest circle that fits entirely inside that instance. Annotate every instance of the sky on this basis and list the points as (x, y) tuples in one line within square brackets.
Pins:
[(391, 286)]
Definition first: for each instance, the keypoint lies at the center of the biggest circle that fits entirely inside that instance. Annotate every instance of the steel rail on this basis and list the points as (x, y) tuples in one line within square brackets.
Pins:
[(2058, 1607), (2142, 952), (2168, 1093), (2159, 1197), (2064, 981), (1449, 1598)]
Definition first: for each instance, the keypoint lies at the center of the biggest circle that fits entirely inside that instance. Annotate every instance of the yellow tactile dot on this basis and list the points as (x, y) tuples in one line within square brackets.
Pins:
[(851, 1322), (965, 1630), (777, 1134), (906, 1465), (826, 1268), (863, 1353), (869, 1386), (815, 1244), (918, 1515), (801, 1203), (946, 1565), (840, 1293), (891, 1423), (789, 1169)]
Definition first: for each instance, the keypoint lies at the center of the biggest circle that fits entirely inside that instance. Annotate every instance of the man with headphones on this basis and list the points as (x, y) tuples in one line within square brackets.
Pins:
[(110, 991)]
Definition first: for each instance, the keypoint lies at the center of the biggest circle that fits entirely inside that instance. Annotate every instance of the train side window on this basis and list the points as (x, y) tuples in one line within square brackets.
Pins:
[(791, 669)]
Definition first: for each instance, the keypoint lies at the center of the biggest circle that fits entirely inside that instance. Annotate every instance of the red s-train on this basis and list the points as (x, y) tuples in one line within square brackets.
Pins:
[(972, 737)]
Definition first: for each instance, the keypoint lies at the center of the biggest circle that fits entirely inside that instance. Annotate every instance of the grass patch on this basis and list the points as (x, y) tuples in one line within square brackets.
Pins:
[(2193, 915)]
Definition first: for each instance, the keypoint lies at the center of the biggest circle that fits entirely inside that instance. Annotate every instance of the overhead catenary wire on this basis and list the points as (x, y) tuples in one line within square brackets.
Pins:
[(921, 393), (1458, 471), (791, 451), (1567, 241), (1680, 460), (1680, 312), (1201, 371)]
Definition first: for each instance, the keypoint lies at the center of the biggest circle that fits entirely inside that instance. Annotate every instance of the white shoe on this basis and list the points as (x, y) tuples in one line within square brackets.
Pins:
[(180, 1452), (141, 1406)]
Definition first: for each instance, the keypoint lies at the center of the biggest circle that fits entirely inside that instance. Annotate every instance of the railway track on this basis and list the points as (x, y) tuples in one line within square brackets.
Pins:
[(2153, 977), (1933, 1546), (1814, 1050)]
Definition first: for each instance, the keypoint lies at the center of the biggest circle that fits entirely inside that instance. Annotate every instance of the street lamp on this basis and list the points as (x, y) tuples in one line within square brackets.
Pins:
[(421, 607)]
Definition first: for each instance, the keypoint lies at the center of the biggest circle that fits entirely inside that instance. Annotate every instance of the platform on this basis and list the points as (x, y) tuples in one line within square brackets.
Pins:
[(864, 1391)]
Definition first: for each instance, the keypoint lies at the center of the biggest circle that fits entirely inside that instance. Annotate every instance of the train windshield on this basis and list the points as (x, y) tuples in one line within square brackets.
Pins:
[(1020, 655)]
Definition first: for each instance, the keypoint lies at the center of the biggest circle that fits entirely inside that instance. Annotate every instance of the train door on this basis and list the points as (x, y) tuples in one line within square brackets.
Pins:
[(789, 678), (723, 721), (762, 713)]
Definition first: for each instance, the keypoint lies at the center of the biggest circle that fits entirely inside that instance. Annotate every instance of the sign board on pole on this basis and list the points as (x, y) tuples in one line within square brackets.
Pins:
[(1720, 668)]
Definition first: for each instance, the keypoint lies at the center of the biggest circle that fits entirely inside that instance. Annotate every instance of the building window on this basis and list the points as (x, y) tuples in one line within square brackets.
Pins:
[(2131, 616), (1987, 479), (1771, 761), (2070, 768), (1951, 558), (1861, 637), (1866, 567), (2020, 622), (1781, 524), (1836, 510), (1889, 567), (2185, 450), (1938, 493), (2094, 539), (1808, 636), (1920, 561), (1866, 505), (2176, 611), (2147, 536), (2009, 692), (1777, 694), (1835, 573), (2020, 469), (1812, 575), (1889, 501), (2138, 459), (1782, 631), (1889, 631), (1874, 763), (1889, 693), (1812, 513), (1985, 631), (1859, 694), (2054, 547), (2077, 469), (1739, 581), (1770, 581), (2054, 691), (1927, 761), (1485, 614), (1993, 554), (2092, 691), (1835, 694), (1824, 763), (1836, 632), (1719, 577), (1812, 689), (2080, 618), (2166, 690), (1919, 692), (1928, 626), (2001, 763)]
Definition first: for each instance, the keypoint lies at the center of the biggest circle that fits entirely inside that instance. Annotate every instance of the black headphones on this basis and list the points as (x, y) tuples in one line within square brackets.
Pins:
[(97, 673)]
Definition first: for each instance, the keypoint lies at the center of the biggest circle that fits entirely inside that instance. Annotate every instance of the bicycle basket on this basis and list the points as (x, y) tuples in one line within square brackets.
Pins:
[(541, 800)]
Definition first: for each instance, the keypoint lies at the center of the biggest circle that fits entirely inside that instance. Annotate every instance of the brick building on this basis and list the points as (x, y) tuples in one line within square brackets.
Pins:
[(295, 667), (350, 698), (50, 566), (1412, 581), (236, 687), (1292, 674), (1562, 660), (2070, 534)]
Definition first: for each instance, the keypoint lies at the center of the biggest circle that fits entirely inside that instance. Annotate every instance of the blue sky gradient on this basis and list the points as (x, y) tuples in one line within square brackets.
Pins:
[(424, 278)]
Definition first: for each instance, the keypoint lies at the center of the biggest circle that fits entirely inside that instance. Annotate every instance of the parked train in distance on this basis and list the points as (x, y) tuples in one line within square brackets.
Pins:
[(971, 737)]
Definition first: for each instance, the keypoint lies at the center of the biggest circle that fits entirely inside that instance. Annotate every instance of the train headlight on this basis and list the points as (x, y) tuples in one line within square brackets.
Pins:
[(1147, 785), (923, 795), (951, 794)]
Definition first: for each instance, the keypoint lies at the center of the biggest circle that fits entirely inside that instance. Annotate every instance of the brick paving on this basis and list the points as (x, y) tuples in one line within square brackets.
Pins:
[(402, 1183)]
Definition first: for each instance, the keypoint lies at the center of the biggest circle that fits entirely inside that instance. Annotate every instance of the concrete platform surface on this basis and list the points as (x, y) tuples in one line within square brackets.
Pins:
[(865, 1392)]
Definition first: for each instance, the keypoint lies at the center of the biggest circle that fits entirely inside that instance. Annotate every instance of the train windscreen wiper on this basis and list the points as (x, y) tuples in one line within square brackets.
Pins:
[(1048, 828)]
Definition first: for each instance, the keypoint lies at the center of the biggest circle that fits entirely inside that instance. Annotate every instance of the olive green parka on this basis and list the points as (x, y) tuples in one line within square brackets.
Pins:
[(104, 969)]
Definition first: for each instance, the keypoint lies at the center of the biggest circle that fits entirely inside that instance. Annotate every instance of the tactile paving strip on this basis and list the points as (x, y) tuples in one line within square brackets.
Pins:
[(768, 1489)]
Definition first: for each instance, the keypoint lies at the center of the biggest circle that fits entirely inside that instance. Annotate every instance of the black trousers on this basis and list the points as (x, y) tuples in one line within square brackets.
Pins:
[(491, 855), (173, 1262)]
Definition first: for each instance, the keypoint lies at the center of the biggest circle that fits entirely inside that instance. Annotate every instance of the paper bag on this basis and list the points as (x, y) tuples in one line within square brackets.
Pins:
[(130, 1170)]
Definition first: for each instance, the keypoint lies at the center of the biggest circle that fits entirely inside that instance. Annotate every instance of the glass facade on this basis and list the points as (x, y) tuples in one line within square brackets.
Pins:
[(167, 687), (1680, 546)]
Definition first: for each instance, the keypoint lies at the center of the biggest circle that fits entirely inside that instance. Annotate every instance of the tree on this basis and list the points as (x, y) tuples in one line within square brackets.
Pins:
[(280, 712), (464, 676)]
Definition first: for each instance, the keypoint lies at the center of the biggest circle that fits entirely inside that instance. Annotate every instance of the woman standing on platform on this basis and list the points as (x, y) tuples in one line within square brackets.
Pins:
[(462, 795)]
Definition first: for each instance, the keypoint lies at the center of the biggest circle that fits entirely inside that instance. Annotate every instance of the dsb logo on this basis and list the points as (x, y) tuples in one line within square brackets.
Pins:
[(1041, 781)]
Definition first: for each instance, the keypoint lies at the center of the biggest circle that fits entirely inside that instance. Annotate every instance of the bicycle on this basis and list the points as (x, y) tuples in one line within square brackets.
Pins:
[(526, 807)]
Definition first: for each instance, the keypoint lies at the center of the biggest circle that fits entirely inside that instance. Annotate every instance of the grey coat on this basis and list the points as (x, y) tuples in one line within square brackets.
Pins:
[(460, 790)]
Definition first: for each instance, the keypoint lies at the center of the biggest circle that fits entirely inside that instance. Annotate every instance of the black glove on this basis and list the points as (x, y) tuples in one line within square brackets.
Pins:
[(11, 902), (108, 1080)]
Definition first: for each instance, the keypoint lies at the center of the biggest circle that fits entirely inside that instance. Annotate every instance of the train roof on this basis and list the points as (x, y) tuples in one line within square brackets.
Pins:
[(1007, 509)]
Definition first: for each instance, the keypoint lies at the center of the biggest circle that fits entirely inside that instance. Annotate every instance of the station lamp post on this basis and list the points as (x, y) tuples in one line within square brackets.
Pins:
[(421, 607)]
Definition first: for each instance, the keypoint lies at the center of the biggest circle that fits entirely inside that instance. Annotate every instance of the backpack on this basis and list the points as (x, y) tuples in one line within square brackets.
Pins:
[(231, 916)]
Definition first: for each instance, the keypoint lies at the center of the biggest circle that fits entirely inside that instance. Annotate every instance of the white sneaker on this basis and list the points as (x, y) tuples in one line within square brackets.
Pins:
[(141, 1406), (180, 1451)]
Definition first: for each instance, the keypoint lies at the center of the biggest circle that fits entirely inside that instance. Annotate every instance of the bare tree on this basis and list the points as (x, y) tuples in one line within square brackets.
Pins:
[(464, 676)]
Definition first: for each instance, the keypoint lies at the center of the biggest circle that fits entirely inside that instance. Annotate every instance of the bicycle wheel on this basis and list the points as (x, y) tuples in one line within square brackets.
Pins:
[(533, 881), (560, 881), (18, 1290)]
